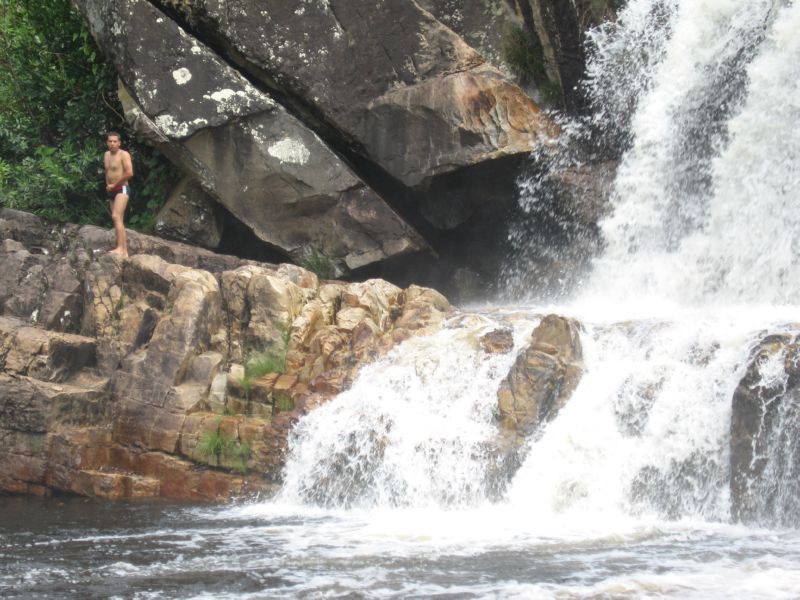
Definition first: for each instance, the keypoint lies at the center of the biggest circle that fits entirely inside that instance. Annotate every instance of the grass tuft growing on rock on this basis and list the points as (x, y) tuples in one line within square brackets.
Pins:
[(319, 263), (216, 445)]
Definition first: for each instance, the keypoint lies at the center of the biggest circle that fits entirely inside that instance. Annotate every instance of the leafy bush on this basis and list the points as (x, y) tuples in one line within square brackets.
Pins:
[(57, 101)]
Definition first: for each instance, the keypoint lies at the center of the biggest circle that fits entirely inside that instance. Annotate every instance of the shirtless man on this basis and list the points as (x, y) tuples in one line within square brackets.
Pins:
[(119, 169)]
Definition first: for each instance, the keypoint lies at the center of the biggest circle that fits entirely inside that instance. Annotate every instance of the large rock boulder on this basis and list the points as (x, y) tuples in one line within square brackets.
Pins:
[(350, 131), (542, 379), (267, 168), (399, 87), (765, 435)]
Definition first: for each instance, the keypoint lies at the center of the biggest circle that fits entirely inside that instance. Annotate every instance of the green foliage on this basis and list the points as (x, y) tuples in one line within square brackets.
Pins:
[(240, 453), (284, 404), (319, 263), (216, 445), (263, 363), (212, 444), (258, 364), (523, 55), (57, 100)]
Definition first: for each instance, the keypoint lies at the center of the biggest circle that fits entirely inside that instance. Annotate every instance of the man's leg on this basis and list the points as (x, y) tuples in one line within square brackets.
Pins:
[(118, 216)]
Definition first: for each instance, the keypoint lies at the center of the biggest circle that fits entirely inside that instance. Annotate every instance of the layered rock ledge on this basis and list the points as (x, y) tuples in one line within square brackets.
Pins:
[(175, 373)]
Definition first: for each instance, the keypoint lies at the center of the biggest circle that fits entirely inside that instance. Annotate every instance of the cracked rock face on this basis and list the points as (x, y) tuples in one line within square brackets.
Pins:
[(405, 91), (153, 354), (248, 153), (285, 112)]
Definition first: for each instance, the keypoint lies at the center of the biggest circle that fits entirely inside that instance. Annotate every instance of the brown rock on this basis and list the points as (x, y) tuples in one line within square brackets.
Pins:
[(499, 341), (542, 379)]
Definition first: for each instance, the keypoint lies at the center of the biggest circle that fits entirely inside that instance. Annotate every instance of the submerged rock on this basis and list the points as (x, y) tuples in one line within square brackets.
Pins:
[(765, 434)]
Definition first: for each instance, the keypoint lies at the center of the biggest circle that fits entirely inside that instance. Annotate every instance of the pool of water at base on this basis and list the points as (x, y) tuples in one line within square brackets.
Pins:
[(79, 548)]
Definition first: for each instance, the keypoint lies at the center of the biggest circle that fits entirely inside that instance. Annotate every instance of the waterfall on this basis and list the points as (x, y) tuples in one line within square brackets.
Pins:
[(415, 429), (701, 209), (702, 100)]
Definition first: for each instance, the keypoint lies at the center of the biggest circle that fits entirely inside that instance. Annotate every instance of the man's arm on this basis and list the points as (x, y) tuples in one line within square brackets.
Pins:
[(127, 169)]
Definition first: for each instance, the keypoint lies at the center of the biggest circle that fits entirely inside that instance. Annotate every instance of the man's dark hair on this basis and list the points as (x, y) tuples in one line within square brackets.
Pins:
[(114, 134)]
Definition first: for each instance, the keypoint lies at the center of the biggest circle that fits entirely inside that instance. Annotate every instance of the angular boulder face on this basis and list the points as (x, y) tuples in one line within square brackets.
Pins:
[(765, 436), (481, 23), (248, 152), (396, 85), (190, 215), (542, 379)]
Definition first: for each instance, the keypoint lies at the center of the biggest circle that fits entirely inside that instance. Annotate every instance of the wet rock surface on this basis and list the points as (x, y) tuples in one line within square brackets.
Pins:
[(764, 451), (543, 377), (539, 384)]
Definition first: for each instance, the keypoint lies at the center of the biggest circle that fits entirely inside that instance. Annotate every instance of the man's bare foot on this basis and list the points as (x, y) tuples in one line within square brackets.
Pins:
[(118, 252)]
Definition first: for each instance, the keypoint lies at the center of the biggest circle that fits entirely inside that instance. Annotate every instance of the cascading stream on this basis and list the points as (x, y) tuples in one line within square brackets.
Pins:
[(701, 261), (701, 201), (672, 471)]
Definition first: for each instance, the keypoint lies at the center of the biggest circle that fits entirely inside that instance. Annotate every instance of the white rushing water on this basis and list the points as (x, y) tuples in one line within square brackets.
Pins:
[(701, 262), (703, 199)]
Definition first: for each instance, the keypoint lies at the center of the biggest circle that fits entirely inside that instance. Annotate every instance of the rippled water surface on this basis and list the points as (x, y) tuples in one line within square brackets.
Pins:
[(72, 548)]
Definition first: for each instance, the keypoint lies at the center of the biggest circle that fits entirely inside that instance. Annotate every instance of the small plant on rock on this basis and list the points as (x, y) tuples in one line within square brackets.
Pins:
[(269, 361), (216, 445), (212, 444), (319, 263)]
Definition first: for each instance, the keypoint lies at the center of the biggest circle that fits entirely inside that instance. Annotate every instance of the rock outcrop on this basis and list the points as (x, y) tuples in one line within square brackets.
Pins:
[(251, 155), (175, 373), (765, 451), (542, 379), (539, 384), (355, 131)]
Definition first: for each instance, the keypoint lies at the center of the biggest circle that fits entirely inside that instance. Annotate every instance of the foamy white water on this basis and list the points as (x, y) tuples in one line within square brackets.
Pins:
[(702, 199)]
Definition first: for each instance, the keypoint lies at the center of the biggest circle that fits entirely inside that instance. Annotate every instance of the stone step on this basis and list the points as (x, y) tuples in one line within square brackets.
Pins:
[(114, 485), (41, 354), (34, 406)]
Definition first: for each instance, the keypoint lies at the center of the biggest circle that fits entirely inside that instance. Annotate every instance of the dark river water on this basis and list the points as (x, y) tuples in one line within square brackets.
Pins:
[(77, 548)]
